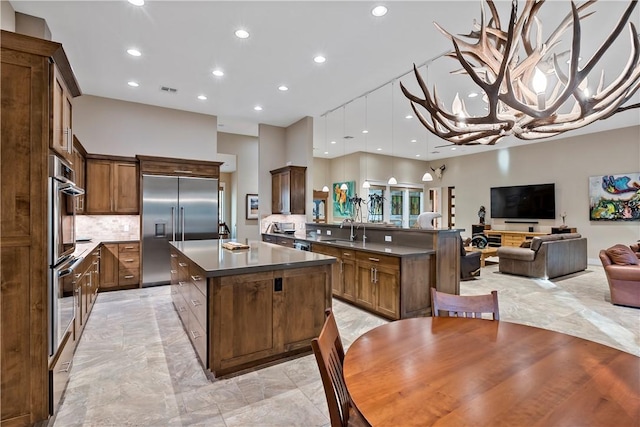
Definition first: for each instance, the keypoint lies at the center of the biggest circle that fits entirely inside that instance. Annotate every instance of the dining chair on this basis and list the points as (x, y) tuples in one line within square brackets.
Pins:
[(329, 354), (465, 305)]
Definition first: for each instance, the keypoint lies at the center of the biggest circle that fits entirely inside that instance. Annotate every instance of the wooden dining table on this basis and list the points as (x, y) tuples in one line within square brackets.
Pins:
[(474, 372)]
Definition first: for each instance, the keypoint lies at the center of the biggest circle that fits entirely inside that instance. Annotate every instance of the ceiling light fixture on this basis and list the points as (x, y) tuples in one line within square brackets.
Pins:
[(319, 59), (202, 97), (133, 84), (134, 52), (283, 88), (379, 11), (218, 73), (242, 34), (257, 108), (503, 64), (137, 2)]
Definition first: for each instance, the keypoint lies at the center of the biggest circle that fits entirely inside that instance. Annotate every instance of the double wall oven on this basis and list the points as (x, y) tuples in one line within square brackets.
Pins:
[(62, 244)]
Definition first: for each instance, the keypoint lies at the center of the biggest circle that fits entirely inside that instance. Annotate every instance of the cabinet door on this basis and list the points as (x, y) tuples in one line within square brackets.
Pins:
[(109, 266), (276, 197), (125, 188), (349, 276), (297, 183), (387, 286), (61, 140), (79, 169), (365, 295), (300, 313), (285, 192), (337, 282), (99, 189)]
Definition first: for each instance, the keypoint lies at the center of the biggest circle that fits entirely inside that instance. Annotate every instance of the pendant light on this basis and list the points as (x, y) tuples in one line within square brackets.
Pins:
[(427, 175), (392, 180), (325, 188), (344, 185), (366, 184)]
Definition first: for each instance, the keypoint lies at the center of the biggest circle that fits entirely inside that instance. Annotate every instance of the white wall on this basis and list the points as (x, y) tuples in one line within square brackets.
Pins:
[(111, 126), (243, 181), (568, 163), (7, 16)]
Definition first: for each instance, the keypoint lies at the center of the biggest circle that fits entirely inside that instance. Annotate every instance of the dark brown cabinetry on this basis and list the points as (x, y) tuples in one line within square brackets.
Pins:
[(61, 141), (178, 167), (112, 186), (79, 167), (29, 71), (563, 230), (288, 190), (120, 266)]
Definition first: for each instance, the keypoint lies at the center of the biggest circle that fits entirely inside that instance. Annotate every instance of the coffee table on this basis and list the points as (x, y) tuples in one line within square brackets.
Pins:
[(485, 252)]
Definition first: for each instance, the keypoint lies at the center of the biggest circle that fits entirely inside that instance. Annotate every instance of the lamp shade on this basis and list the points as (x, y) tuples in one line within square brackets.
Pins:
[(427, 177), (366, 184), (325, 189), (344, 186), (393, 180)]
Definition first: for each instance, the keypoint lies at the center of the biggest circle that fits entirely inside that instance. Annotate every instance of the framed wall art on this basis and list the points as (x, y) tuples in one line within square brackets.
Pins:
[(342, 207), (614, 197), (252, 206)]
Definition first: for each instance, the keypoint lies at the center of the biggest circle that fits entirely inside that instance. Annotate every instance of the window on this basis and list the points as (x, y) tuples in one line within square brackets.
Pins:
[(375, 204)]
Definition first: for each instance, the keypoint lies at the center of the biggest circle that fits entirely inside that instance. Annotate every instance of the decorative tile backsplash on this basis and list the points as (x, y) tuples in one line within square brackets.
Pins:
[(298, 220), (107, 228)]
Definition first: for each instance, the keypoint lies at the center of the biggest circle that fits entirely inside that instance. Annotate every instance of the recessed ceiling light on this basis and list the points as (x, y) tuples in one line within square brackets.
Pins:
[(319, 59), (472, 94), (379, 11), (333, 142), (137, 2), (257, 108), (453, 148), (202, 97), (134, 52), (242, 34), (365, 131), (283, 88), (326, 152), (378, 149), (414, 140), (408, 116), (417, 155), (133, 84), (218, 73)]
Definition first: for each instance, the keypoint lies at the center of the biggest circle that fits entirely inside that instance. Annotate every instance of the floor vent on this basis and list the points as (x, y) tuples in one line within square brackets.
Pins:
[(168, 89)]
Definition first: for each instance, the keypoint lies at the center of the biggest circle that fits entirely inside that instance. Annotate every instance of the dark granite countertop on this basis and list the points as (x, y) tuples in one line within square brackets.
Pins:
[(217, 261)]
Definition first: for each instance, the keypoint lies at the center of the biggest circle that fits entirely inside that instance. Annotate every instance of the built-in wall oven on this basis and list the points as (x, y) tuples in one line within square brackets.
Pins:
[(62, 244)]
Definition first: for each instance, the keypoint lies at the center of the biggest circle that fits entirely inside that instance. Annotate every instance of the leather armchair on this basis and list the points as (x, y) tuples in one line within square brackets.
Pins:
[(469, 263), (624, 281)]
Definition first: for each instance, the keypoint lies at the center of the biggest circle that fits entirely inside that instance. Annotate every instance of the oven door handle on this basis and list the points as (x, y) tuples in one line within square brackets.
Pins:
[(67, 271), (71, 189)]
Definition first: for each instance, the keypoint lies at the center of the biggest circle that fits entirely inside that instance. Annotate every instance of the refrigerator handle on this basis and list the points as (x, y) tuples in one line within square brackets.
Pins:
[(173, 223), (182, 212)]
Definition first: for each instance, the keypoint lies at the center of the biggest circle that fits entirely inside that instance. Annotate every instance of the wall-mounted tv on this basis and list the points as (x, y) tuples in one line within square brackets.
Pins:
[(524, 202)]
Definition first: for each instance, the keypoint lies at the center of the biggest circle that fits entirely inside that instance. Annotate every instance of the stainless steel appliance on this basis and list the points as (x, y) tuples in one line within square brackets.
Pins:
[(284, 227), (174, 209), (62, 244)]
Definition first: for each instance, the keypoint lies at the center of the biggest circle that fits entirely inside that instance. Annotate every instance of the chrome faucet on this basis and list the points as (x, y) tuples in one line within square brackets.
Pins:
[(364, 231), (352, 235)]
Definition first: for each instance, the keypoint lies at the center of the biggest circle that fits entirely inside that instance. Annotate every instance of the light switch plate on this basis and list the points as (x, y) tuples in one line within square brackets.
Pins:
[(328, 232), (387, 238), (319, 232)]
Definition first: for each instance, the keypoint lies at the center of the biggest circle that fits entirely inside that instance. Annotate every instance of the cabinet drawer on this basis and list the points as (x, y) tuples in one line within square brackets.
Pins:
[(128, 277), (183, 289), (60, 371), (128, 261), (198, 336), (198, 278), (183, 310), (346, 254), (326, 250), (197, 302), (386, 260), (129, 247)]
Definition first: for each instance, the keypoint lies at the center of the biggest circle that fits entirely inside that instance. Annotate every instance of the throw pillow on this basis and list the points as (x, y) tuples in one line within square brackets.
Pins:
[(622, 255), (526, 244)]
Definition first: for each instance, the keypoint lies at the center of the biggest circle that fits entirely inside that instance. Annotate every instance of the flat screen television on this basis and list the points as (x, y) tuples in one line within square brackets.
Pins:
[(524, 202)]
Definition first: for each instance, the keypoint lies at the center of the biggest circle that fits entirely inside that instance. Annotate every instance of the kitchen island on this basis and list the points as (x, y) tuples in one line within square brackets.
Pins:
[(247, 307)]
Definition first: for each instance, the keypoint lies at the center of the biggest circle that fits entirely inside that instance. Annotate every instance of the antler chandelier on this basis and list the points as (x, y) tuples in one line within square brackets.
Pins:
[(514, 85)]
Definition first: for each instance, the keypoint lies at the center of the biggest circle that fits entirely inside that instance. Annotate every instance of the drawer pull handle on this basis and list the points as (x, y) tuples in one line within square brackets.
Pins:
[(183, 264), (181, 284), (195, 335), (97, 253), (96, 262), (129, 276), (129, 247), (65, 367), (129, 260), (196, 278), (174, 271), (374, 259), (77, 275), (345, 254), (195, 303)]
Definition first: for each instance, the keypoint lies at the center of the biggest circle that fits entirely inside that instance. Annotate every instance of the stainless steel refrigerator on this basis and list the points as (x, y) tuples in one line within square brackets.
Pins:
[(174, 208)]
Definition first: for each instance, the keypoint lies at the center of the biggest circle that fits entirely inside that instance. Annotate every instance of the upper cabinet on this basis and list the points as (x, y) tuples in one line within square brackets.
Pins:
[(288, 190), (178, 167), (61, 142), (112, 186), (79, 167)]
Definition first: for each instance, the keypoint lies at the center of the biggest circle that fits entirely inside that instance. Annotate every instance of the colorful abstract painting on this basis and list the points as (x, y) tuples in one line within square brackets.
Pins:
[(614, 197), (342, 208)]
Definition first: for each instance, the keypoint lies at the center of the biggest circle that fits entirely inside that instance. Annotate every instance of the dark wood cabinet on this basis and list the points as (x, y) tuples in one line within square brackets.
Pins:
[(288, 190), (178, 167), (120, 267), (79, 167), (563, 230), (30, 72), (109, 266), (61, 141), (112, 186)]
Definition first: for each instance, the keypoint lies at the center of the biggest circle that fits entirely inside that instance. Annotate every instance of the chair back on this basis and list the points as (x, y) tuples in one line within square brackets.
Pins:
[(465, 305), (330, 356)]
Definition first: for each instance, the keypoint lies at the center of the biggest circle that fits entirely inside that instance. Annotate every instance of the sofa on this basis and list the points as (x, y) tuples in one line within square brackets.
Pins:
[(469, 263), (546, 257), (622, 267)]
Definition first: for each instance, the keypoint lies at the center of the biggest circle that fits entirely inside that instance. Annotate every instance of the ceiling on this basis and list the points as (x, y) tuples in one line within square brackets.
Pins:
[(182, 42)]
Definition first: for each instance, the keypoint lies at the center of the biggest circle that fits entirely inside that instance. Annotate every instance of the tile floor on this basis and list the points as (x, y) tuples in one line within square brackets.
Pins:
[(134, 365)]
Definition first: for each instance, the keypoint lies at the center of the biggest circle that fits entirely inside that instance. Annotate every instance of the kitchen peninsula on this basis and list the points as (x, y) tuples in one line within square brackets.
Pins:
[(243, 308)]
